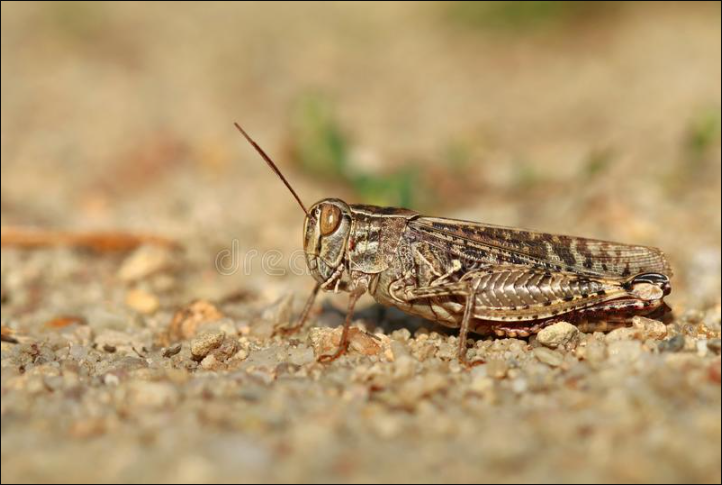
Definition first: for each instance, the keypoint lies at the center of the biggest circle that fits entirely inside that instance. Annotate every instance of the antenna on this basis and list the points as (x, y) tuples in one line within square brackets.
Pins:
[(272, 165)]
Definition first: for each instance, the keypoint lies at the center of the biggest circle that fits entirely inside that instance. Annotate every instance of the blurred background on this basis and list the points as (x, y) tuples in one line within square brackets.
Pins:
[(599, 119)]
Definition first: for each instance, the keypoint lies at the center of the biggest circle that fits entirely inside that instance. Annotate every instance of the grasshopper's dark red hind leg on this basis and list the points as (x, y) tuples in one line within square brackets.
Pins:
[(603, 316)]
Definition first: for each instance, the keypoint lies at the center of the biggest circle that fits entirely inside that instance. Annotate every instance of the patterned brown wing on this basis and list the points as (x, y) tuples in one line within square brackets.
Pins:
[(485, 243)]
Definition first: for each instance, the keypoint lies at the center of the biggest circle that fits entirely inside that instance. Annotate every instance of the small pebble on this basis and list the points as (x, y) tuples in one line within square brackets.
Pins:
[(715, 345), (560, 334), (646, 328), (143, 262), (619, 334), (202, 345), (363, 343), (78, 352), (325, 341), (702, 347), (171, 351), (624, 351), (448, 349), (111, 380), (519, 385), (496, 368), (483, 385), (142, 301), (402, 335), (548, 356), (209, 362), (226, 350), (674, 344), (595, 352), (187, 320), (404, 367)]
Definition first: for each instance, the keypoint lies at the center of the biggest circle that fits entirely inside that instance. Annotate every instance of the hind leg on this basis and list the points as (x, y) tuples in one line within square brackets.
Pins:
[(609, 315), (616, 310)]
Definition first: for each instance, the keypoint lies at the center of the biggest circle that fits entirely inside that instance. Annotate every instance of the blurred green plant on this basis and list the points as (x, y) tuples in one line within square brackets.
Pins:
[(91, 29), (322, 148), (597, 163), (703, 133), (397, 189), (526, 175), (77, 21), (701, 137), (518, 16), (318, 142), (458, 153)]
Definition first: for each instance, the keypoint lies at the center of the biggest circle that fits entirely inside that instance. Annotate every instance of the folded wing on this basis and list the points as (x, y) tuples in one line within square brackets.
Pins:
[(491, 244)]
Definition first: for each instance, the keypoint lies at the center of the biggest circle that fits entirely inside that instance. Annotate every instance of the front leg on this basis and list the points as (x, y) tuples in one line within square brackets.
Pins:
[(359, 283), (468, 289), (343, 344), (304, 314)]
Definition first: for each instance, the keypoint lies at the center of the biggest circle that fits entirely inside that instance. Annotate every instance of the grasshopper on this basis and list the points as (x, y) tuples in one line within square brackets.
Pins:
[(477, 277)]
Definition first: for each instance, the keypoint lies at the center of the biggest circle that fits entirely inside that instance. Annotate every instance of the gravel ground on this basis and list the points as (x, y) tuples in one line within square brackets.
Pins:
[(135, 359)]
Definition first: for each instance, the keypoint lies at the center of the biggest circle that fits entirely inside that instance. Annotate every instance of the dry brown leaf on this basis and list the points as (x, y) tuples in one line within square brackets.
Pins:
[(7, 335), (64, 321), (111, 241)]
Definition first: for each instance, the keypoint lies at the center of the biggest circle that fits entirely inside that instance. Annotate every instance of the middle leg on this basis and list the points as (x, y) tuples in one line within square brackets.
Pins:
[(465, 325)]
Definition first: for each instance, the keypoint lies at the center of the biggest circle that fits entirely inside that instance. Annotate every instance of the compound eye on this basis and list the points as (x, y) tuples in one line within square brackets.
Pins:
[(330, 219)]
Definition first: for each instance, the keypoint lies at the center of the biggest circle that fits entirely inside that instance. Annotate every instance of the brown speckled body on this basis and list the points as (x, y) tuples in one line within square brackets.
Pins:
[(520, 280)]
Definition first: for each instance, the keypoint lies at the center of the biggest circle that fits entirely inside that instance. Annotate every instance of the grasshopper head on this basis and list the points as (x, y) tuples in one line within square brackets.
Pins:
[(325, 233), (326, 228)]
